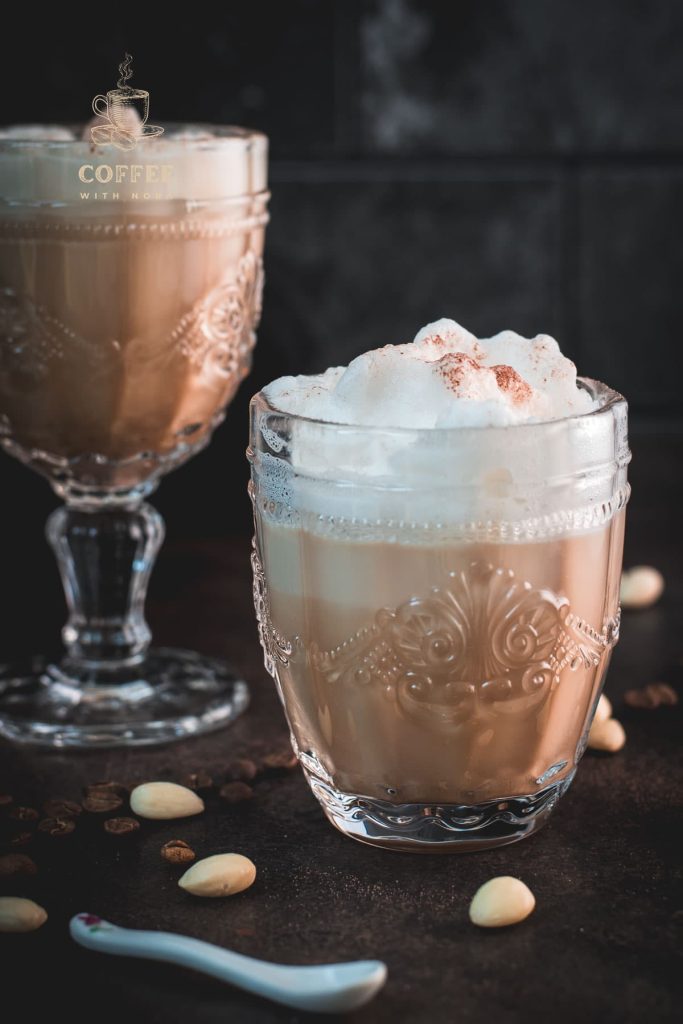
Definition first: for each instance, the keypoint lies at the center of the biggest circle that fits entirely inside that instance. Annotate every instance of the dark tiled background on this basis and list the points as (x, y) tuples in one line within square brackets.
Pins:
[(510, 164)]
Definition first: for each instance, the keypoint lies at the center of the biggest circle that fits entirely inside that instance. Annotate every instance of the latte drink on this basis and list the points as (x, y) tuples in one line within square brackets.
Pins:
[(436, 677), (437, 564), (128, 296)]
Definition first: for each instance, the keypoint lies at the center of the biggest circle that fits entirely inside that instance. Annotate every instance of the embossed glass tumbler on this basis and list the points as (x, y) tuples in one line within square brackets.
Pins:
[(130, 289), (437, 609)]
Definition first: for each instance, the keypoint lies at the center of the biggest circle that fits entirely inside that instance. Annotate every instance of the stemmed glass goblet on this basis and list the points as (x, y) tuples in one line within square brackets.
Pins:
[(130, 289)]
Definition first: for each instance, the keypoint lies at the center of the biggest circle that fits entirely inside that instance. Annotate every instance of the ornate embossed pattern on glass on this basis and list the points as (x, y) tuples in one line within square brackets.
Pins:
[(222, 325), (204, 354), (475, 646), (30, 337), (275, 648)]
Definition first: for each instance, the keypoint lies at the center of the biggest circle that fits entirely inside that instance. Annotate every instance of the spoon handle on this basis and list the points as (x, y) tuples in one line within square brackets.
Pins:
[(256, 976)]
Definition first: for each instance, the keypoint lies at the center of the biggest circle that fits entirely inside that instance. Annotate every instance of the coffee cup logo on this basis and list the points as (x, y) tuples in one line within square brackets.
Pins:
[(125, 112)]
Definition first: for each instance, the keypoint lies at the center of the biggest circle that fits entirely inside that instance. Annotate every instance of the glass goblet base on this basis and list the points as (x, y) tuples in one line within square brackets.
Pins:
[(169, 694)]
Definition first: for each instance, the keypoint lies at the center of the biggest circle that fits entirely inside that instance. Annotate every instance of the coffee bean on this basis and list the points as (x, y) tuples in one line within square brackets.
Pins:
[(21, 838), (667, 694), (102, 802), (235, 792), (111, 786), (58, 808), (651, 696), (198, 781), (57, 827), (24, 814), (176, 851), (16, 864), (638, 699), (241, 770), (121, 826), (279, 761)]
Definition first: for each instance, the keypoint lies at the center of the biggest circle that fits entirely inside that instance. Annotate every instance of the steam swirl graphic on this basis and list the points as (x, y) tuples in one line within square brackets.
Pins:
[(125, 72)]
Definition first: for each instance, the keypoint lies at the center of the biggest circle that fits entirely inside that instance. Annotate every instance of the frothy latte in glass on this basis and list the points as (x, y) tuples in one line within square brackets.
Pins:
[(439, 532)]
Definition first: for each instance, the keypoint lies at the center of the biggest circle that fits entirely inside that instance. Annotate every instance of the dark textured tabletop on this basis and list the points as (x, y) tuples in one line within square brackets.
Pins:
[(602, 944)]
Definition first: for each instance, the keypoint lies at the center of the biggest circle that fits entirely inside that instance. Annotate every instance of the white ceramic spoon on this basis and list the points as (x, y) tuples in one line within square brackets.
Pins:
[(331, 988)]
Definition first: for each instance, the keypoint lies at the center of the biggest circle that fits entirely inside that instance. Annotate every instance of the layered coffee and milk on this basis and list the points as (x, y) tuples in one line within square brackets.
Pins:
[(129, 290), (438, 552)]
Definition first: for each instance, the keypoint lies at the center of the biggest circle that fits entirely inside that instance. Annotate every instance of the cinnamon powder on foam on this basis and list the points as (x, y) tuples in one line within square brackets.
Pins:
[(472, 389), (453, 368), (510, 381)]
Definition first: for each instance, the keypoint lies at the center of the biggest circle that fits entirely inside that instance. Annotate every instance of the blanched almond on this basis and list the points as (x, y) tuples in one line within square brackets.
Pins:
[(221, 875), (20, 915), (641, 586), (608, 735), (603, 710), (165, 801), (500, 902)]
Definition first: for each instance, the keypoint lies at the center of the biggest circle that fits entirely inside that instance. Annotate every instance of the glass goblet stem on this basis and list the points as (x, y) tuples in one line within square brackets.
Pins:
[(105, 559)]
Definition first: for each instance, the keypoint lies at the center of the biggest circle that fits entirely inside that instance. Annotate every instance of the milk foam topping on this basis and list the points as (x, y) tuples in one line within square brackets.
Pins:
[(54, 164), (445, 378), (492, 438)]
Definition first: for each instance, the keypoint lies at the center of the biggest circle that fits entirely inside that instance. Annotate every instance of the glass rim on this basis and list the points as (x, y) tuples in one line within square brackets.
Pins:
[(221, 135), (609, 400)]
